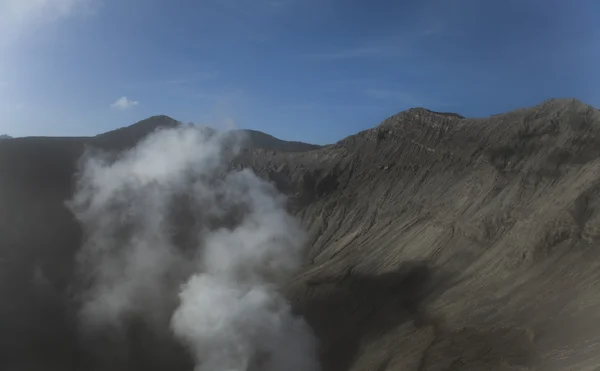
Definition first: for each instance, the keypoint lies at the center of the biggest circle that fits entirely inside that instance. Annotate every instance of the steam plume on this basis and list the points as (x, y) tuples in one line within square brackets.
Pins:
[(216, 289)]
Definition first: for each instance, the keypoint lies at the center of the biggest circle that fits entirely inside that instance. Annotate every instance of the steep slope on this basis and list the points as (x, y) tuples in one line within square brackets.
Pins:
[(445, 243), (436, 243)]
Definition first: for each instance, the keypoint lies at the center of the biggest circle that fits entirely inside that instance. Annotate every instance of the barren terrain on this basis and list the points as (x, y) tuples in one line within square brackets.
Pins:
[(436, 242)]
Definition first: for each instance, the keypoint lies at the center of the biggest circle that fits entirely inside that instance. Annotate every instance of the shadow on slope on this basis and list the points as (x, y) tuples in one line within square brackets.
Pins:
[(352, 309), (352, 312)]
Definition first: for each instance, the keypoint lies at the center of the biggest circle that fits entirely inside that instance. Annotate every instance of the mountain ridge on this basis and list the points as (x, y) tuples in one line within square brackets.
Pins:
[(461, 209), (435, 242), (129, 135)]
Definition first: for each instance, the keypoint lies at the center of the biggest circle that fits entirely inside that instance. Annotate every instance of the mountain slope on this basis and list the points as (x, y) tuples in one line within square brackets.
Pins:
[(436, 243), (127, 136), (259, 139), (447, 243), (252, 139)]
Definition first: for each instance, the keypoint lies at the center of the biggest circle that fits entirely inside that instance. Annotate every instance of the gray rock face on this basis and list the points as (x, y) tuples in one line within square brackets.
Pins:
[(439, 242)]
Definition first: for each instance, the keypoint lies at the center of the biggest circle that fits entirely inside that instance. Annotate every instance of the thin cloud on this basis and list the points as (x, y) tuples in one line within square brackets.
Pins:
[(257, 7), (278, 4), (18, 17), (194, 78), (186, 80), (181, 81), (394, 47), (434, 29), (124, 103)]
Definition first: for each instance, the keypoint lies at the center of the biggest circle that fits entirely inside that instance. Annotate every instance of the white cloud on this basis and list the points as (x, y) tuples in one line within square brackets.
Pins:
[(21, 16), (124, 103)]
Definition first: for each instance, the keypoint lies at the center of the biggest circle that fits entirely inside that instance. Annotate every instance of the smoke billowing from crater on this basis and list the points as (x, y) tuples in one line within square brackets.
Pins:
[(210, 278)]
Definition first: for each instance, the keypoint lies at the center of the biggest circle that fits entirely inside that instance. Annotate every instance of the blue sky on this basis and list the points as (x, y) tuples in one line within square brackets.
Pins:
[(311, 70)]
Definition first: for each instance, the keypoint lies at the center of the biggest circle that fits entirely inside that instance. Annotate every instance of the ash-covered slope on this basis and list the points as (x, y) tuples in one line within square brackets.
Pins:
[(436, 243), (443, 243)]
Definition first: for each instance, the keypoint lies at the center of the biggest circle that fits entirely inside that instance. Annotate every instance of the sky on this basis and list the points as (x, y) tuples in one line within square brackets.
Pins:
[(309, 70)]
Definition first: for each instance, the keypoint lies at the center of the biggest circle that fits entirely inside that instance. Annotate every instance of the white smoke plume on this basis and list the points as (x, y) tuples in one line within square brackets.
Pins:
[(218, 290)]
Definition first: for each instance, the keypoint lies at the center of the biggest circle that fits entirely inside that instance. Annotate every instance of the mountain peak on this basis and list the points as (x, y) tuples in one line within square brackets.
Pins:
[(147, 125), (126, 137), (422, 110), (563, 103), (129, 135), (419, 114)]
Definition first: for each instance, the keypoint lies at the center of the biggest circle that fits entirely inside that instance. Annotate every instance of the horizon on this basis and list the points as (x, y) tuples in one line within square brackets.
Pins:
[(309, 71), (285, 139)]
